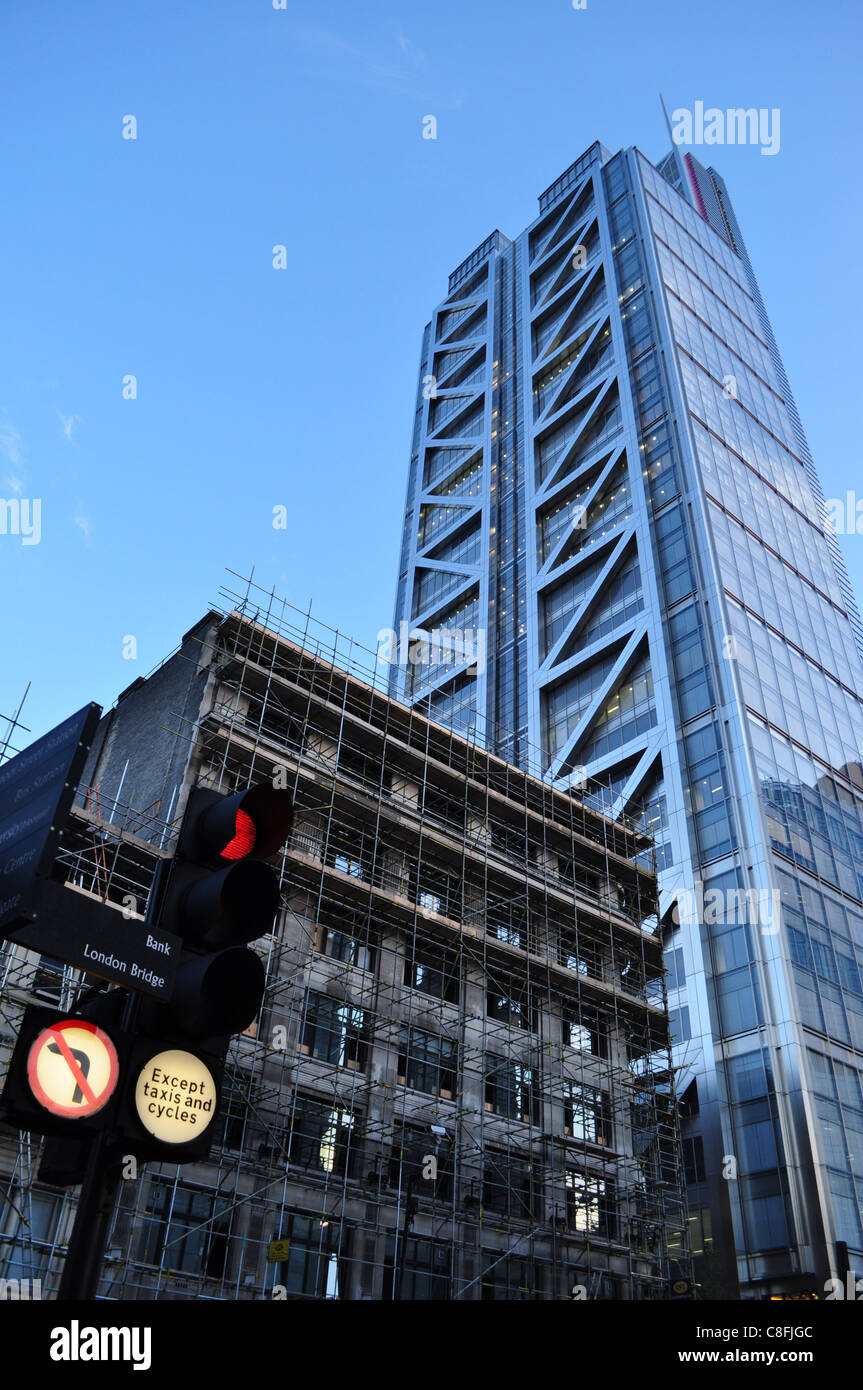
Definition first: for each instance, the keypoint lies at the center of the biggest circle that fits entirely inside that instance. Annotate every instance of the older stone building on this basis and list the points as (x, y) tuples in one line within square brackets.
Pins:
[(459, 1086)]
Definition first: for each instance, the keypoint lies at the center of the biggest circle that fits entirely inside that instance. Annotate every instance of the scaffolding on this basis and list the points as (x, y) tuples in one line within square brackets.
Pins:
[(460, 1083)]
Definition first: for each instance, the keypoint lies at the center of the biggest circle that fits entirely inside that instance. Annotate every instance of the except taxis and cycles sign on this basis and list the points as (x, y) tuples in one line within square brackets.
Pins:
[(176, 1096)]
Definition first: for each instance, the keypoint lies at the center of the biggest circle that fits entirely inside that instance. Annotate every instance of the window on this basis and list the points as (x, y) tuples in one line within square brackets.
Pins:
[(620, 601), (509, 1090), (429, 902), (574, 962), (766, 1211), (333, 1032), (749, 1076), (709, 793), (411, 1162), (48, 979), (186, 1229), (694, 685), (234, 1111), (31, 1228), (689, 1105), (427, 1062), (586, 1030), (585, 1114), (510, 1278), (417, 1270), (614, 175), (679, 1026), (321, 1137), (651, 1113), (674, 965), (757, 1143), (511, 935), (693, 1160), (639, 334), (566, 702), (345, 851), (700, 1229), (509, 1005), (507, 1185), (674, 558), (845, 1207), (580, 954), (627, 711), (849, 974), (739, 1000), (587, 1204), (343, 945), (433, 972), (347, 864), (312, 1268)]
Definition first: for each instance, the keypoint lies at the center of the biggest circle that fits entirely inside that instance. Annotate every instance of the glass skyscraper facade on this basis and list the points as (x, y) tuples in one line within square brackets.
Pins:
[(616, 562)]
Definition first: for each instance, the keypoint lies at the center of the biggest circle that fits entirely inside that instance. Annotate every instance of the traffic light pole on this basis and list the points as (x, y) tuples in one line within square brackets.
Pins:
[(218, 896), (102, 1178), (95, 1206)]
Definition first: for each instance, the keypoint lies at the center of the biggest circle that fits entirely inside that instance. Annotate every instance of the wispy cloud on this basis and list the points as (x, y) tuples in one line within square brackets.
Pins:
[(68, 423), (83, 524), (368, 67), (12, 450), (408, 47), (11, 444)]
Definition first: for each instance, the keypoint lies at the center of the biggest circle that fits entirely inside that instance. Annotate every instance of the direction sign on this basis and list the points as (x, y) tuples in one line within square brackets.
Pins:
[(37, 788), (75, 928), (72, 1068)]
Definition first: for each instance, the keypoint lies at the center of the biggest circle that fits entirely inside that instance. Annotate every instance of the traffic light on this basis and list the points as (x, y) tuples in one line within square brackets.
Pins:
[(64, 1074), (219, 896)]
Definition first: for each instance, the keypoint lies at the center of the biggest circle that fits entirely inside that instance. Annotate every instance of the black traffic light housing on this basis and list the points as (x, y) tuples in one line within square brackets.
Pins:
[(219, 892), (19, 1105), (65, 1152), (219, 896)]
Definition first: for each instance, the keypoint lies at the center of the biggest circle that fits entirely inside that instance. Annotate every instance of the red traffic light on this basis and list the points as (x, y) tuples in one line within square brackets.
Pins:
[(220, 892), (252, 824), (244, 840)]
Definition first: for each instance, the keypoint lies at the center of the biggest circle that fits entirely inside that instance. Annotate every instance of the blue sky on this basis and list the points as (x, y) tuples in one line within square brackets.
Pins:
[(259, 388)]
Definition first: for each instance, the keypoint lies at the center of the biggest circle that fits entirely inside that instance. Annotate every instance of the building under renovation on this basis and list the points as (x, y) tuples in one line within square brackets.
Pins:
[(459, 1085)]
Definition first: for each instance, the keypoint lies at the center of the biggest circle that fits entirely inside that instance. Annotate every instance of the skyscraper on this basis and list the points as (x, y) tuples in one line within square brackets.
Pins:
[(616, 549)]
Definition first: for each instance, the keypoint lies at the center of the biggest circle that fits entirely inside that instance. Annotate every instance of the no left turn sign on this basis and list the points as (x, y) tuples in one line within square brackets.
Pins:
[(72, 1068)]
